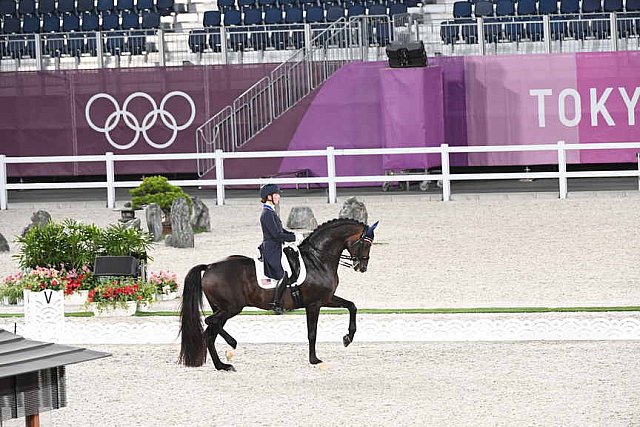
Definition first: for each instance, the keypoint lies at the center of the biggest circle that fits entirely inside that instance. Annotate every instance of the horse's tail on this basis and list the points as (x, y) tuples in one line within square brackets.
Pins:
[(193, 350)]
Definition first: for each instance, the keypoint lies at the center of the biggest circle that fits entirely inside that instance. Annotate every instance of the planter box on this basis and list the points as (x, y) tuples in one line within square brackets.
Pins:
[(167, 297), (43, 315), (117, 311), (77, 298)]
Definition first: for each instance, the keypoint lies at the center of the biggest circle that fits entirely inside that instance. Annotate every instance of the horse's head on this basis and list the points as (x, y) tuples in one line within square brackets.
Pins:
[(360, 247)]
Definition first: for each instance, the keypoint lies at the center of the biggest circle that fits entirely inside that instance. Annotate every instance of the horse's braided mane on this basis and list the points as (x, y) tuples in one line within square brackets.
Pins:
[(333, 223)]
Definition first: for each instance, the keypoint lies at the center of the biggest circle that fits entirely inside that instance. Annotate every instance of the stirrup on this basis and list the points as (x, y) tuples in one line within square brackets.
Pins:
[(277, 308)]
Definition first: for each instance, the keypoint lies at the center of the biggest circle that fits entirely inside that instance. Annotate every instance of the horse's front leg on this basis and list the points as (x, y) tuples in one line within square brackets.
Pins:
[(343, 303), (313, 311)]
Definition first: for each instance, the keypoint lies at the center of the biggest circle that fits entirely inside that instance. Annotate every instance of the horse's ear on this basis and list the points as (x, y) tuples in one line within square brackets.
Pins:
[(369, 232)]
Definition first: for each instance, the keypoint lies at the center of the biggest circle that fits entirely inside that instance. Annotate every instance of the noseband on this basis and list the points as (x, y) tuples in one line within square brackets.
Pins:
[(349, 260)]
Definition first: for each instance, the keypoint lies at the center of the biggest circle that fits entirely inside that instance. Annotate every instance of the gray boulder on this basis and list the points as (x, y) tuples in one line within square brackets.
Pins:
[(38, 219), (181, 231), (200, 218), (154, 221), (354, 209), (4, 245), (301, 217)]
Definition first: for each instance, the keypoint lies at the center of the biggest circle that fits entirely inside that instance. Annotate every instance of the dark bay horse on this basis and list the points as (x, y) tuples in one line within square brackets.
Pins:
[(231, 284)]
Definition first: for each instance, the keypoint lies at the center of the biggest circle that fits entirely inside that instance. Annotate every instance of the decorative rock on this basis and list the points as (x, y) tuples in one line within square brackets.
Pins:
[(4, 245), (181, 231), (200, 218), (154, 221), (354, 209), (301, 217), (38, 219), (134, 223)]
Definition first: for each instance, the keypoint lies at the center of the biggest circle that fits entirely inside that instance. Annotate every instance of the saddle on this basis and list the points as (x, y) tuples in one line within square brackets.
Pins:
[(292, 264)]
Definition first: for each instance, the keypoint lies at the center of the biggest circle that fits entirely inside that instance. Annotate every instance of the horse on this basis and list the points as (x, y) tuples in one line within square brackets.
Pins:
[(231, 284)]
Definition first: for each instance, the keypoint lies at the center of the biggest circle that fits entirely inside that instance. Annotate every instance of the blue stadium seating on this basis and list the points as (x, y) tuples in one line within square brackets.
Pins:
[(225, 5), (125, 5), (334, 13), (246, 4), (51, 24), (70, 23), (130, 21), (145, 5), (315, 14), (377, 9), (293, 16), (26, 7), (150, 20), (54, 45), (10, 25), (76, 44), (85, 6), (46, 7), (165, 7), (211, 18), (232, 17), (110, 21), (356, 10), (198, 41), (287, 4), (30, 24), (90, 22), (397, 9), (105, 6), (115, 42), (65, 7), (8, 7)]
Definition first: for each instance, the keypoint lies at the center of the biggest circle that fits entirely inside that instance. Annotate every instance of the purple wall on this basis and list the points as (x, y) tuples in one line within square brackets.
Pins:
[(43, 113), (493, 100)]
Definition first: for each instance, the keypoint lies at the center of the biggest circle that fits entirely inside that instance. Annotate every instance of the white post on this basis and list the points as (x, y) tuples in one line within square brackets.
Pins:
[(3, 182), (562, 170), (219, 178), (548, 39), (637, 156), (446, 182), (331, 174), (111, 189)]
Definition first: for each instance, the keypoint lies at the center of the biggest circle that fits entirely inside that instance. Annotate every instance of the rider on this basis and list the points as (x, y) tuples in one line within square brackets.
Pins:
[(274, 236)]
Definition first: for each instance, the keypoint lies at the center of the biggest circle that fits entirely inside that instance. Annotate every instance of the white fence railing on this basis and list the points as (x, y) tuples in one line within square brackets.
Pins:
[(331, 180)]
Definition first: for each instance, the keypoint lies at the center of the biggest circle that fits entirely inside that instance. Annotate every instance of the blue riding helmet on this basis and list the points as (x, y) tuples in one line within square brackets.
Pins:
[(268, 189)]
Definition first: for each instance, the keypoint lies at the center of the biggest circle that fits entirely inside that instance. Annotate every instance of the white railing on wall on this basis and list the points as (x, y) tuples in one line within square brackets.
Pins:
[(331, 179)]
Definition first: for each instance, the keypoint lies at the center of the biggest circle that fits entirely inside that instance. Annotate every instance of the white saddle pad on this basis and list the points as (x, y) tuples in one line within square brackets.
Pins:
[(287, 268)]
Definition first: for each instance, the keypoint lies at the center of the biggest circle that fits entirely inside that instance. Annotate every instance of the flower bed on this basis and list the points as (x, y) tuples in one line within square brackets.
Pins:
[(118, 293)]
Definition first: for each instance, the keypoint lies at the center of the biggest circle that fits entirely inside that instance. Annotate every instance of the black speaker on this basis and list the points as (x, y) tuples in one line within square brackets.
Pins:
[(406, 54), (115, 266)]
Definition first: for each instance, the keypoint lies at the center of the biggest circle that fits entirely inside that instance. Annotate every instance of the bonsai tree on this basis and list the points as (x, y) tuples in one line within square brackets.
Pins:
[(158, 190)]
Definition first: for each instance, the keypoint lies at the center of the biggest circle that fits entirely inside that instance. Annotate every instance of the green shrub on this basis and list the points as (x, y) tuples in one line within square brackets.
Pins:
[(72, 245), (158, 190)]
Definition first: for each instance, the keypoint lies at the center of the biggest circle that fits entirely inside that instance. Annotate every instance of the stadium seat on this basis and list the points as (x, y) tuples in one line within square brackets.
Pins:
[(527, 12), (54, 45), (449, 32), (8, 8), (26, 7), (377, 9), (125, 6), (258, 35), (273, 16), (287, 4), (315, 14), (76, 44), (46, 7), (136, 42), (264, 4), (505, 12), (397, 9), (105, 6), (150, 20), (198, 41), (10, 25), (334, 13), (110, 21), (51, 24), (356, 10), (293, 16), (165, 7), (145, 6), (225, 5), (232, 17), (462, 9), (65, 7), (30, 24), (130, 21), (70, 23), (237, 36), (246, 4), (114, 42), (85, 6), (253, 17), (90, 22), (211, 18)]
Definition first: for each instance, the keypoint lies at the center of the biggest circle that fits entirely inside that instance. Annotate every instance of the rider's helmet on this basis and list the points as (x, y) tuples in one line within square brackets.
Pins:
[(268, 189)]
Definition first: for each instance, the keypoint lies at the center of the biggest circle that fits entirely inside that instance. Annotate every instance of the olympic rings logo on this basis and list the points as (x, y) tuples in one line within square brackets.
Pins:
[(134, 124)]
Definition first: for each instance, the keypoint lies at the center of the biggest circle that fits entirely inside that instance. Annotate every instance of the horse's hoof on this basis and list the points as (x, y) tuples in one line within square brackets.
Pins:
[(226, 367), (229, 355), (315, 361), (346, 340)]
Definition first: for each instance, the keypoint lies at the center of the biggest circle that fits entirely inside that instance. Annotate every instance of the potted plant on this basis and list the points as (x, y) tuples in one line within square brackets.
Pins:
[(165, 285), (12, 289), (79, 282), (158, 190), (115, 296)]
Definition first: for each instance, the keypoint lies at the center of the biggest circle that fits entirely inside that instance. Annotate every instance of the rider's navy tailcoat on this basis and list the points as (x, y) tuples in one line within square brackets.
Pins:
[(273, 236)]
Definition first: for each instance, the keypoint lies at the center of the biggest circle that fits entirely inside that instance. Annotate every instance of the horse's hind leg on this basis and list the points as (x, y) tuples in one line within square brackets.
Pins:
[(343, 303), (214, 325), (224, 334)]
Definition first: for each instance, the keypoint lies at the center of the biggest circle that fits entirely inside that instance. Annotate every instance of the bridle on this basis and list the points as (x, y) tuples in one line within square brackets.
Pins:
[(350, 260)]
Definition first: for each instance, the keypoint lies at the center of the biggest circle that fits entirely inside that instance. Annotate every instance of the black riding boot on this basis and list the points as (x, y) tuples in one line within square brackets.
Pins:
[(276, 305)]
